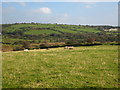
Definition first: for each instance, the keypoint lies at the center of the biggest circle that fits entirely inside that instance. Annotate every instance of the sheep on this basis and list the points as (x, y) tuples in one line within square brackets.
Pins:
[(25, 49), (71, 47), (68, 47)]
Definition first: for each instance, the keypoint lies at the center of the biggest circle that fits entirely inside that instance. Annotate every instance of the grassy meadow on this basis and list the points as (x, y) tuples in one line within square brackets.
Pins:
[(82, 67), (36, 29)]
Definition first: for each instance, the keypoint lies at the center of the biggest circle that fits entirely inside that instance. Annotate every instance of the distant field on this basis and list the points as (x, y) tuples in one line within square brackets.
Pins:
[(66, 30), (82, 67), (37, 32), (32, 29), (89, 30)]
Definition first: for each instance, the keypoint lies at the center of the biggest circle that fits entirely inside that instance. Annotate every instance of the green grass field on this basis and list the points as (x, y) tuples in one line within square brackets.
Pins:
[(33, 29), (37, 32), (89, 30), (82, 67)]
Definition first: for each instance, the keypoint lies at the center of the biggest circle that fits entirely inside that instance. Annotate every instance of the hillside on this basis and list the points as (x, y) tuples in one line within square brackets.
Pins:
[(35, 29), (36, 33)]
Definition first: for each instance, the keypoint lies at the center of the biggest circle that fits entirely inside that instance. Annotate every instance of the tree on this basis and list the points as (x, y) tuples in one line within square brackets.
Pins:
[(90, 40), (26, 44), (18, 48), (45, 44)]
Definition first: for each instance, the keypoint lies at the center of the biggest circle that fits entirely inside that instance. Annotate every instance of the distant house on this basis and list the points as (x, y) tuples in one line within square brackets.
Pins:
[(112, 29)]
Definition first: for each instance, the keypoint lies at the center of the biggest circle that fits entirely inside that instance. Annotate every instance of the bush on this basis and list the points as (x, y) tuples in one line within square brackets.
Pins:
[(26, 44), (6, 48), (18, 48)]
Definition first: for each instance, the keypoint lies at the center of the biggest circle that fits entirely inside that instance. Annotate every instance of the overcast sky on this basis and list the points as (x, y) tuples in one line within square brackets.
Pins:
[(95, 13)]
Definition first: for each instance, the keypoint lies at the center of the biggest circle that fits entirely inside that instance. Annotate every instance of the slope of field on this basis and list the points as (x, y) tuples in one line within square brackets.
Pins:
[(82, 67), (37, 32), (36, 29), (94, 30)]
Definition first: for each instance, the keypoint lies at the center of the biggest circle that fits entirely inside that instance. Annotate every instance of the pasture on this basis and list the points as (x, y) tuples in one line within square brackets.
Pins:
[(81, 67), (36, 29)]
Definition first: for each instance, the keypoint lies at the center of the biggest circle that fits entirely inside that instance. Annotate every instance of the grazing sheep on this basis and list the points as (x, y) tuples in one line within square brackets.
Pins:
[(25, 49), (68, 47), (71, 47)]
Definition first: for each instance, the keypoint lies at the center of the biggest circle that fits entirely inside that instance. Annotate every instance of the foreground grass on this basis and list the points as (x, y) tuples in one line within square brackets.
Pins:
[(83, 67)]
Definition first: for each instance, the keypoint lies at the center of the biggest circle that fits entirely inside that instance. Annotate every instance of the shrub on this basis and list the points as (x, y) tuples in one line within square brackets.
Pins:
[(18, 48), (6, 48), (26, 44)]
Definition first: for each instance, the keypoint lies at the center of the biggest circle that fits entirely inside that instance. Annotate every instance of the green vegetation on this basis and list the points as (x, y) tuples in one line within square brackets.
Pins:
[(37, 32), (94, 30), (82, 67), (86, 66), (14, 35), (47, 28), (65, 30)]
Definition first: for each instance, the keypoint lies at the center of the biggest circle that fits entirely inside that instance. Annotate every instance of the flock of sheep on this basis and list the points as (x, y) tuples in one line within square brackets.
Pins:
[(66, 47)]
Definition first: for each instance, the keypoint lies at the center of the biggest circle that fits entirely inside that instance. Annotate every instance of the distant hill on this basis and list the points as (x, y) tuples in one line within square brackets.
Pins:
[(14, 35), (36, 29)]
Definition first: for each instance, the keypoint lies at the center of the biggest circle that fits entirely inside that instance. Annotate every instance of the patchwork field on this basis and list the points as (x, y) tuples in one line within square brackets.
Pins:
[(37, 32), (82, 67), (36, 29)]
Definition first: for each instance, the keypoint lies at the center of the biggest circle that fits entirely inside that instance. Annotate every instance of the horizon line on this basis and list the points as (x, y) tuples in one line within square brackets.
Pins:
[(61, 24)]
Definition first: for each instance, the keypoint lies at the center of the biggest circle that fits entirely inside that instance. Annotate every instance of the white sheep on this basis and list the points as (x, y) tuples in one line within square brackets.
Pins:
[(68, 47), (25, 49)]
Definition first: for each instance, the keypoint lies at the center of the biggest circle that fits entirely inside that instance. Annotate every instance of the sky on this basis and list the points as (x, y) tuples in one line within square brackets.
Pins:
[(88, 13), (59, 0)]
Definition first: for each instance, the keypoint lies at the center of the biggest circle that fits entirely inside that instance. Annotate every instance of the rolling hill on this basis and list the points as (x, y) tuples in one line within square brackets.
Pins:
[(14, 35)]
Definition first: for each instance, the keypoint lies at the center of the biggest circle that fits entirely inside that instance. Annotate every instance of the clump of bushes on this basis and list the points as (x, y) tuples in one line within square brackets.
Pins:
[(18, 48), (6, 48), (26, 44)]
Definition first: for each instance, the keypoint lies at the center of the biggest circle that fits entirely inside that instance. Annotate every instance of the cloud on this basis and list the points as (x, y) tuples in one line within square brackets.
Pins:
[(22, 4), (44, 10), (60, 18)]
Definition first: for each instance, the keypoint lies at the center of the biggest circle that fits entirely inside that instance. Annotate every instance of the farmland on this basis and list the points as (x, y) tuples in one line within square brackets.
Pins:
[(14, 35), (82, 67), (61, 45), (38, 28), (93, 63)]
